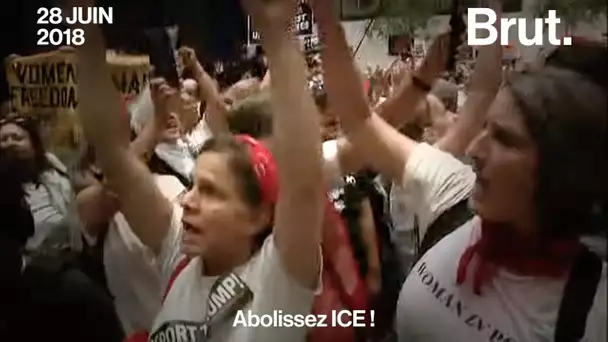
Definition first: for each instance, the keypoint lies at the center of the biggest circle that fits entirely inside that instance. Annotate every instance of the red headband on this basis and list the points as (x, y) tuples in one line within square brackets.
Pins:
[(265, 168)]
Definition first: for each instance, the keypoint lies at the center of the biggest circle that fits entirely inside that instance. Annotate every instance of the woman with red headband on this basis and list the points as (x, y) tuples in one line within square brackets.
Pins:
[(247, 236)]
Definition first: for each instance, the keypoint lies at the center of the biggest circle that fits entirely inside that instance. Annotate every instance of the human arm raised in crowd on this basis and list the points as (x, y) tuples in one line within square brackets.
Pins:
[(296, 143), (208, 92), (407, 103), (148, 212), (144, 144), (96, 206), (485, 82), (375, 141)]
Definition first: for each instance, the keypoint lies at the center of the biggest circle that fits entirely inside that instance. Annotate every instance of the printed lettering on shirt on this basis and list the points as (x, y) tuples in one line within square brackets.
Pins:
[(180, 331), (228, 295), (451, 302), (225, 294)]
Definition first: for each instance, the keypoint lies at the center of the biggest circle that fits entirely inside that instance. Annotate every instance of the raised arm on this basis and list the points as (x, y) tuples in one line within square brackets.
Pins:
[(375, 141), (208, 92), (95, 205), (485, 82), (296, 143), (144, 144), (409, 100), (145, 208)]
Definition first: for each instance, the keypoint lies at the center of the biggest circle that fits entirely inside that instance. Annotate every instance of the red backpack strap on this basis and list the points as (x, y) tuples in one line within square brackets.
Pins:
[(336, 237), (178, 269), (137, 337), (143, 336)]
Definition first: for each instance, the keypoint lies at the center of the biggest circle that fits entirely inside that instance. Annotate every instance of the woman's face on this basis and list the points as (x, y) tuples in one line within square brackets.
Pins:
[(505, 157), (172, 130), (216, 219), (189, 103), (14, 137)]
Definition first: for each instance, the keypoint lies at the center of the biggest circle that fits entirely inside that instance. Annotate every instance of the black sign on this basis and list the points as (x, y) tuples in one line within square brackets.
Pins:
[(303, 23), (311, 43), (303, 20)]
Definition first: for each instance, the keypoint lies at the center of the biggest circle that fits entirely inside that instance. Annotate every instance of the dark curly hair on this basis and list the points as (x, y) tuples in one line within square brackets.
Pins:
[(31, 127), (17, 223)]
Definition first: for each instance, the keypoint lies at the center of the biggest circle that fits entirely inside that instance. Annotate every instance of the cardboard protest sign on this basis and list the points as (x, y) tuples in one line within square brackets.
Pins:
[(43, 81), (44, 85), (130, 74)]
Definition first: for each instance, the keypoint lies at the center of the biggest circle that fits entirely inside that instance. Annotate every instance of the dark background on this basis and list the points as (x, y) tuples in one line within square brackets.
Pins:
[(214, 28)]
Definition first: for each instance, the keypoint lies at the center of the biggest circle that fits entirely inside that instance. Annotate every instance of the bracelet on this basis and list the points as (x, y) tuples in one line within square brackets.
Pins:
[(420, 84)]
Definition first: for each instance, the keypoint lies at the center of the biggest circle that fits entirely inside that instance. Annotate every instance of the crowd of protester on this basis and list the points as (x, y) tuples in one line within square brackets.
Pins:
[(457, 206)]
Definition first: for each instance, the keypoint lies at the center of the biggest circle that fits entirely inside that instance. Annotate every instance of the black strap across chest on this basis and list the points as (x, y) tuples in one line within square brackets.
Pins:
[(580, 289), (578, 298)]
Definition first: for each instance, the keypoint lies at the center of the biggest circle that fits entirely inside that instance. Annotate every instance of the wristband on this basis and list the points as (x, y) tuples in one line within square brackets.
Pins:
[(420, 84)]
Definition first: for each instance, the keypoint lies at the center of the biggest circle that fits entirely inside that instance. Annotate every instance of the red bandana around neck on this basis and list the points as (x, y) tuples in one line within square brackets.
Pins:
[(500, 247)]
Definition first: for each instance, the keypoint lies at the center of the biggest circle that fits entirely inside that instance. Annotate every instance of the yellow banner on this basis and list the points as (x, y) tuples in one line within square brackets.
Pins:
[(45, 86), (129, 73), (43, 81), (48, 80)]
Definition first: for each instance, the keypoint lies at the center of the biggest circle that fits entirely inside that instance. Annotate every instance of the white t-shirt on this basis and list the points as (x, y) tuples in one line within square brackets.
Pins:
[(331, 164), (185, 307), (131, 272), (46, 216), (432, 308), (50, 203), (405, 206), (180, 155)]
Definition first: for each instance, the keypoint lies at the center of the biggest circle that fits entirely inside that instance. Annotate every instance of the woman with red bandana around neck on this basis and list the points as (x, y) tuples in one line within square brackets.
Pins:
[(540, 173), (250, 227), (539, 178)]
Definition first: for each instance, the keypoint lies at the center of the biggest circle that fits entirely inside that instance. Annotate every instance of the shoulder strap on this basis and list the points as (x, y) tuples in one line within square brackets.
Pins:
[(446, 223), (178, 269), (578, 297)]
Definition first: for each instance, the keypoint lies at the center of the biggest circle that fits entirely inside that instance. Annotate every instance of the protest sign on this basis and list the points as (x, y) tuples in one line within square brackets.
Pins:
[(310, 43), (45, 86), (129, 73), (43, 81), (304, 26), (303, 20)]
